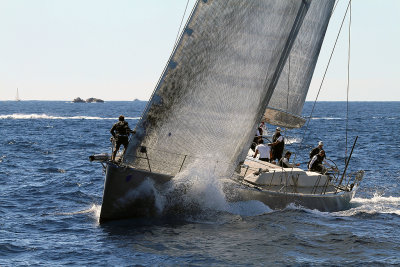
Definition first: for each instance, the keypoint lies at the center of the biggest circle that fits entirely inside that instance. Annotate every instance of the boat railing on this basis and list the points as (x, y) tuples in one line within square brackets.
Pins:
[(284, 174), (289, 178), (171, 163), (317, 189), (332, 170), (320, 186), (350, 181)]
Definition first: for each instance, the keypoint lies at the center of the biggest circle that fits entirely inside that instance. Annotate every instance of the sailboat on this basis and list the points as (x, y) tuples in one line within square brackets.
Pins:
[(228, 72), (17, 96)]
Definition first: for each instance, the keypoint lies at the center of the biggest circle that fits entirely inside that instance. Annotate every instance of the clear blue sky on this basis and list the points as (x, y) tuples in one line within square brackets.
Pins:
[(116, 50)]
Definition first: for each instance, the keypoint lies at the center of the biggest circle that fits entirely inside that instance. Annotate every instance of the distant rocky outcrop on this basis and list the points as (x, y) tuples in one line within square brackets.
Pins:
[(89, 100), (79, 100), (94, 100)]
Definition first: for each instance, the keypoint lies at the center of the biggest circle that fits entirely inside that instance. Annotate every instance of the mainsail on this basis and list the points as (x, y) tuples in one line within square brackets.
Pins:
[(219, 80), (286, 104)]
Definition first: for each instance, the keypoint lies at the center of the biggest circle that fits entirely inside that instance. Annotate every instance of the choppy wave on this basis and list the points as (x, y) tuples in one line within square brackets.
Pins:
[(385, 118), (248, 208), (376, 205), (94, 209), (34, 116), (291, 140), (327, 118)]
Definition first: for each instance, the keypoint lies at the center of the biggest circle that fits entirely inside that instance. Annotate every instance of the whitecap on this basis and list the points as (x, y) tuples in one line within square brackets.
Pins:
[(378, 204), (33, 116)]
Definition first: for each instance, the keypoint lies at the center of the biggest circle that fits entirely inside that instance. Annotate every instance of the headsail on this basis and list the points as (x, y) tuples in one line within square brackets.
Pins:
[(286, 104), (217, 83)]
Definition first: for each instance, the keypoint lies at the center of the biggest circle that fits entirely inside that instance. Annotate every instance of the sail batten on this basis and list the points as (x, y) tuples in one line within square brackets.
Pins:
[(217, 83)]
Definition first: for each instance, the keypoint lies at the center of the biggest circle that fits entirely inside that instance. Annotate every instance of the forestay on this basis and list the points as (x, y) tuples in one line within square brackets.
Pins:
[(217, 84), (286, 104)]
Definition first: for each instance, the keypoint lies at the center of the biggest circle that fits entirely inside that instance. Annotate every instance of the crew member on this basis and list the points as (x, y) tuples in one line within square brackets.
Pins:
[(284, 162), (277, 145), (257, 137), (316, 163), (120, 132), (317, 149), (263, 150)]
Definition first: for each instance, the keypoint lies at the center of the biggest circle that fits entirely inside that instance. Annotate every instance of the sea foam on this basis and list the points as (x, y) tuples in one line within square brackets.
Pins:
[(198, 188)]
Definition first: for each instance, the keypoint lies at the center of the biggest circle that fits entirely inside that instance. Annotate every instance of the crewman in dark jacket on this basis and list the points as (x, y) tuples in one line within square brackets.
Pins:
[(277, 145), (317, 149), (120, 132), (316, 163), (284, 162)]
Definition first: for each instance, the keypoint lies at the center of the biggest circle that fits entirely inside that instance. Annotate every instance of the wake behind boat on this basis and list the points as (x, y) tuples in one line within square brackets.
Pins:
[(236, 62)]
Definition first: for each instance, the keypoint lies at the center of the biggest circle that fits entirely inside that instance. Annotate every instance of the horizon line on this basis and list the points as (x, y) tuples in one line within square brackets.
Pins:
[(63, 100)]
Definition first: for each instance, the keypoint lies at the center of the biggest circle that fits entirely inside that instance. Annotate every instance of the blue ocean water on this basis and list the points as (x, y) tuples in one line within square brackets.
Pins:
[(50, 196)]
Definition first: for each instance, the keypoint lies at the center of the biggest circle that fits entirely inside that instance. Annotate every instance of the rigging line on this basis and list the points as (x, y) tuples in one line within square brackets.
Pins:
[(184, 13), (334, 7), (288, 84), (185, 155), (348, 85), (323, 78)]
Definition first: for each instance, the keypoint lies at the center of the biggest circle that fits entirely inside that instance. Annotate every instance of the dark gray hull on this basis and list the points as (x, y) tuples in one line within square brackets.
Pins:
[(130, 193), (280, 200), (125, 196)]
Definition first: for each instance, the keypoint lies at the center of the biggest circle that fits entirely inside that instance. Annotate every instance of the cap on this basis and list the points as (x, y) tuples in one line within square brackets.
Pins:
[(278, 129), (320, 143)]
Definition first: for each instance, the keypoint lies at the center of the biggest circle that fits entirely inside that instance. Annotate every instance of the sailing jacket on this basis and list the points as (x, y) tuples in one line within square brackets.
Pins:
[(315, 161), (278, 148), (120, 129), (315, 151)]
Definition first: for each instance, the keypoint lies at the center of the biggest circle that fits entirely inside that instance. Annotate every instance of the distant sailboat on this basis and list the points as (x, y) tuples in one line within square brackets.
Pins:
[(17, 96)]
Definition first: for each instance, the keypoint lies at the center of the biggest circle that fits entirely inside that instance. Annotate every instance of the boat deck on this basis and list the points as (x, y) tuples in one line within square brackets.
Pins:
[(254, 165), (283, 180)]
